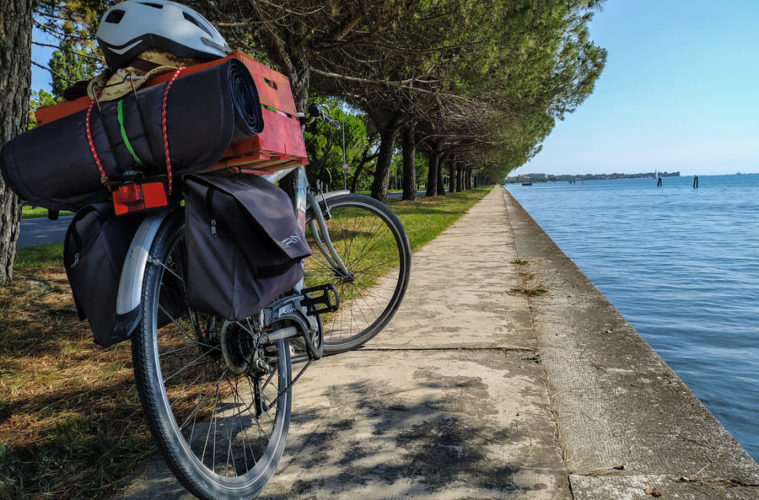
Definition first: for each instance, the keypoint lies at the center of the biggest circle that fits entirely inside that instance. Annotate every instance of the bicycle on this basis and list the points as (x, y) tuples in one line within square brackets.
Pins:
[(216, 393)]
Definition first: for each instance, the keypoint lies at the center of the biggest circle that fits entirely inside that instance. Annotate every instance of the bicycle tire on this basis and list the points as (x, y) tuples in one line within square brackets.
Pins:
[(174, 344), (374, 247)]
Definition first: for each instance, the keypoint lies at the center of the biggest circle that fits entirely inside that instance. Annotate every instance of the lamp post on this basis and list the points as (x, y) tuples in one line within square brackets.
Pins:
[(345, 163)]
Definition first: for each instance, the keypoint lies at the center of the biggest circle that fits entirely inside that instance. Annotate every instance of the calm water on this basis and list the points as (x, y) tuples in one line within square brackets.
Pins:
[(682, 265)]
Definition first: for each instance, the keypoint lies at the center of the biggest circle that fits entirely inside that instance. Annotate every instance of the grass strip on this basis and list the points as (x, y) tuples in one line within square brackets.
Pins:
[(70, 419), (28, 212), (38, 256), (425, 218)]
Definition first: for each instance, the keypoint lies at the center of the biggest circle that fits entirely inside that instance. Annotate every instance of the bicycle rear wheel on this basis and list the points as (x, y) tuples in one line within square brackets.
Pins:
[(219, 419), (371, 243)]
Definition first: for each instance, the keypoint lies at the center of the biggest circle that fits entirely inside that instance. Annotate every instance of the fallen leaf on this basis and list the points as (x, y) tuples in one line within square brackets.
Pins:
[(654, 492)]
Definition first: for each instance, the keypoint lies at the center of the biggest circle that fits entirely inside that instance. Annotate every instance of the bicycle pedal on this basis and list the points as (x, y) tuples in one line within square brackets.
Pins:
[(320, 299)]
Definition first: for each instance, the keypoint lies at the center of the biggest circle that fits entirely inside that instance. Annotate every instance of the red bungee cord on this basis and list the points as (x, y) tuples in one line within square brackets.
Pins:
[(163, 126), (93, 151)]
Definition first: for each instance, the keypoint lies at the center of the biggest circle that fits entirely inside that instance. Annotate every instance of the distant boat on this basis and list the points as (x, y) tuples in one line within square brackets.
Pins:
[(527, 183)]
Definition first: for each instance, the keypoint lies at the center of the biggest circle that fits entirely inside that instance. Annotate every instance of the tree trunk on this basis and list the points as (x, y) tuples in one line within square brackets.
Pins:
[(15, 80), (440, 185), (409, 163), (382, 173), (434, 163), (452, 176), (294, 60), (435, 174)]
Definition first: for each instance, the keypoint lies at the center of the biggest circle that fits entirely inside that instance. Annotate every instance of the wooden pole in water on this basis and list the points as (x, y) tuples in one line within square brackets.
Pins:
[(695, 182)]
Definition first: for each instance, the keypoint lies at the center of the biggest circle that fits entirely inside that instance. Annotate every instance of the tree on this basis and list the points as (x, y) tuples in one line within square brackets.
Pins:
[(296, 34), (357, 144), (71, 63), (388, 76), (72, 23), (39, 98), (15, 80), (409, 162)]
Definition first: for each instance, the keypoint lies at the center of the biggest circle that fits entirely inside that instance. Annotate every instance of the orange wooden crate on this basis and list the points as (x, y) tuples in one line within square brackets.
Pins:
[(280, 144)]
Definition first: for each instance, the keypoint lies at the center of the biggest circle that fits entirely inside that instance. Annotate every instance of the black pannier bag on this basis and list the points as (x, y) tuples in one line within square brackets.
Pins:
[(94, 251), (244, 245), (52, 166)]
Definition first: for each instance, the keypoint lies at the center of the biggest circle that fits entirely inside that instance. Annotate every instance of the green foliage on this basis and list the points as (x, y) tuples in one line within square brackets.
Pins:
[(320, 136), (39, 99), (28, 212), (422, 166), (71, 63), (72, 24), (71, 19)]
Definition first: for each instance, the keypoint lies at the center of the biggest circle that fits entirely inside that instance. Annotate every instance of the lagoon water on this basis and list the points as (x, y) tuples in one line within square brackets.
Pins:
[(682, 265)]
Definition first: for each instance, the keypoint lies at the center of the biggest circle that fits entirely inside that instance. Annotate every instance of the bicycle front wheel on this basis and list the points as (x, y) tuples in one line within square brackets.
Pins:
[(219, 416), (370, 267)]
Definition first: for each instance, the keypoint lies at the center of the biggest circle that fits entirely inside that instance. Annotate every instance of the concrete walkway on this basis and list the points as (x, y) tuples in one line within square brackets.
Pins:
[(476, 390)]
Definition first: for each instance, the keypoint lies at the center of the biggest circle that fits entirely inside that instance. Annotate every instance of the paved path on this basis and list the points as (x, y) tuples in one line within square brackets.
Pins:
[(43, 230), (476, 391)]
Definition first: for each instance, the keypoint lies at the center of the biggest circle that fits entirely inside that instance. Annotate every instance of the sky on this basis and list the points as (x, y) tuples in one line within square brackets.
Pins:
[(679, 92), (41, 55)]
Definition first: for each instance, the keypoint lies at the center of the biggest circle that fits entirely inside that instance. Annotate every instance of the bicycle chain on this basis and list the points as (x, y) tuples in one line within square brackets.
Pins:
[(292, 382)]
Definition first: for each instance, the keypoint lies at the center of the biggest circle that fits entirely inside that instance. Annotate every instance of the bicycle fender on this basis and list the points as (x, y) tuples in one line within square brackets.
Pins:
[(128, 311)]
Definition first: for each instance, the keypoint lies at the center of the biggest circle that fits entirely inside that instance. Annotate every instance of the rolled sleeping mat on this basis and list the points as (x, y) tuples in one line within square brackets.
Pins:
[(52, 166), (248, 116)]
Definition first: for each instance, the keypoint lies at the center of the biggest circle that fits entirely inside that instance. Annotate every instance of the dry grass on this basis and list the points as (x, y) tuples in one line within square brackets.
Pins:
[(531, 291), (70, 420)]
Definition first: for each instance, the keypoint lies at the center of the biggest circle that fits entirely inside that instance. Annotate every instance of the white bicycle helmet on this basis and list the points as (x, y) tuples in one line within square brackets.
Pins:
[(129, 28)]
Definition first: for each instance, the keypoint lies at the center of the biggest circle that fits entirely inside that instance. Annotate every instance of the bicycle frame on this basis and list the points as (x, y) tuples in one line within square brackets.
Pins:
[(128, 310)]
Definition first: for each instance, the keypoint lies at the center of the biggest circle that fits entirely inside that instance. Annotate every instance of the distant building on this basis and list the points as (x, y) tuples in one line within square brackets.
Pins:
[(540, 177)]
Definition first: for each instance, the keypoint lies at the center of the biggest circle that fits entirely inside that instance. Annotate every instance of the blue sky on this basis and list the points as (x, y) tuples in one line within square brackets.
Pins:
[(41, 55), (679, 92)]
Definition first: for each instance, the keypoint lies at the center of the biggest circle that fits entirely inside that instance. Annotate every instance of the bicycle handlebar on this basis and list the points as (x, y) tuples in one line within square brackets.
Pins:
[(317, 111)]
